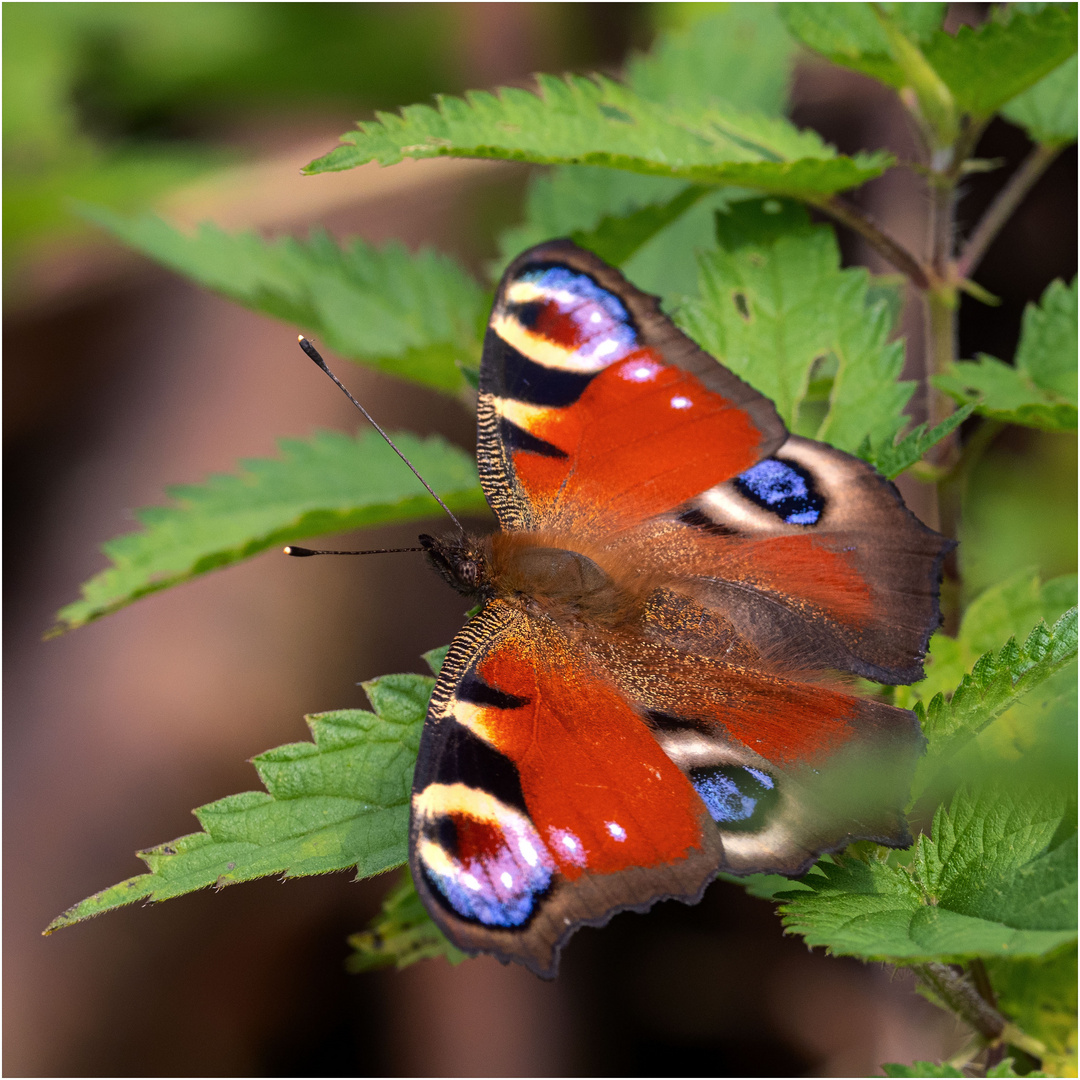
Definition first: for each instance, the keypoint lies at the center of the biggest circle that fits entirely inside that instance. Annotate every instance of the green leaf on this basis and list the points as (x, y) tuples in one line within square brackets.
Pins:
[(1048, 339), (774, 303), (401, 934), (616, 239), (741, 55), (989, 881), (853, 36), (581, 201), (892, 459), (995, 684), (995, 856), (764, 886), (1010, 609), (595, 121), (1039, 996), (577, 199), (1040, 389), (338, 802), (327, 484), (1047, 111), (1004, 1068), (990, 65), (851, 31), (415, 316), (434, 658), (922, 1068), (983, 68)]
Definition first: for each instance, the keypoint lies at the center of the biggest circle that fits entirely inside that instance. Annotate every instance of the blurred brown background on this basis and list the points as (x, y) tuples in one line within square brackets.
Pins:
[(121, 379)]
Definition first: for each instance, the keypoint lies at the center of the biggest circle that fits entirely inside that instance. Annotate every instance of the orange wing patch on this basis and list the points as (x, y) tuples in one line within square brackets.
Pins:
[(599, 789)]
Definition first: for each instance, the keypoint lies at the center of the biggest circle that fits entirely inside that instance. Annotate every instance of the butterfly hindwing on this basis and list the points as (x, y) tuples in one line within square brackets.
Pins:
[(788, 768), (595, 411), (541, 800), (814, 557)]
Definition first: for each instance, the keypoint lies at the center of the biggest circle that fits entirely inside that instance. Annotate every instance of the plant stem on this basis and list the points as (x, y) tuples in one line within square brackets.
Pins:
[(940, 308), (1001, 209), (962, 998), (919, 275), (981, 978), (956, 990)]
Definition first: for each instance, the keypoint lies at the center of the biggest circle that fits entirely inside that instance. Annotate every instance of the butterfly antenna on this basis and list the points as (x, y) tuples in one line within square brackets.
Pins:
[(314, 354)]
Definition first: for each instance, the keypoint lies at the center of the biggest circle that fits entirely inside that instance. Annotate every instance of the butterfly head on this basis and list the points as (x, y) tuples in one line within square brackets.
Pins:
[(462, 560)]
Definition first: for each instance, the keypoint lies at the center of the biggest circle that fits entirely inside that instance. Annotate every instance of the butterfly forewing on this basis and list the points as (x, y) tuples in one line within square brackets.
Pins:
[(541, 799), (596, 412)]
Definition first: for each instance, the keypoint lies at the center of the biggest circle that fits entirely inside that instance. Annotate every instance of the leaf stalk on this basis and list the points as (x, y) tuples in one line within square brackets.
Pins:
[(1003, 206), (921, 276)]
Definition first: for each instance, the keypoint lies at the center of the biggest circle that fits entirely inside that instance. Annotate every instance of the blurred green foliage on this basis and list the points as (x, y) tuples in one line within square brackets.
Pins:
[(116, 103)]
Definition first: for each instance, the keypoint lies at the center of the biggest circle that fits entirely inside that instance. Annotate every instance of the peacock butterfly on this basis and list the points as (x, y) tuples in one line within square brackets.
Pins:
[(658, 685)]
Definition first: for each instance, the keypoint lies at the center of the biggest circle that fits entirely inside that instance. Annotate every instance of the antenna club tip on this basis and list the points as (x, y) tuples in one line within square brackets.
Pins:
[(312, 353), (298, 552)]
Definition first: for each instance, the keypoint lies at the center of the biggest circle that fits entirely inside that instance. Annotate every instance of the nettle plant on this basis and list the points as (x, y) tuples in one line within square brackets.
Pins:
[(687, 176)]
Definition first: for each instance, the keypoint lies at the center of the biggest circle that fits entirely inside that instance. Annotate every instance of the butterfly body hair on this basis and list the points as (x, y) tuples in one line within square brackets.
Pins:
[(545, 574)]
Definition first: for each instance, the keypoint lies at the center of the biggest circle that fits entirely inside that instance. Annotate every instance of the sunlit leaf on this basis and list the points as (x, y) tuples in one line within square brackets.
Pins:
[(741, 54), (1039, 996), (996, 682), (984, 67), (327, 484), (891, 459), (774, 301), (992, 879), (1047, 111), (418, 316), (339, 802), (595, 121)]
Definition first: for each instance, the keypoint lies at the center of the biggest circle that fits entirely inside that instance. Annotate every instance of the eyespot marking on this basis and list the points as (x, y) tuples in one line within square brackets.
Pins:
[(784, 489), (738, 797), (482, 858)]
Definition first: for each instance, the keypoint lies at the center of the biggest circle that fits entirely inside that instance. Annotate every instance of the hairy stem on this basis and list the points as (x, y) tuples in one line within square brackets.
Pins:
[(1001, 209), (960, 992), (880, 241), (956, 991), (981, 978)]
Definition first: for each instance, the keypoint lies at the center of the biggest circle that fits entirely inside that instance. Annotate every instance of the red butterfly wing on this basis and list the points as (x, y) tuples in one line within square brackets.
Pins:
[(595, 412), (541, 799)]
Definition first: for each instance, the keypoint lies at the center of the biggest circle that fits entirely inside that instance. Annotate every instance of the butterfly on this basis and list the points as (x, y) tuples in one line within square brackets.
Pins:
[(658, 683)]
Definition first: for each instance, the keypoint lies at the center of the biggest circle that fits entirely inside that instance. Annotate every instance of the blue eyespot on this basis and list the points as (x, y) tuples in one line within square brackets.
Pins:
[(784, 489), (489, 870), (576, 288), (604, 330), (737, 796)]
